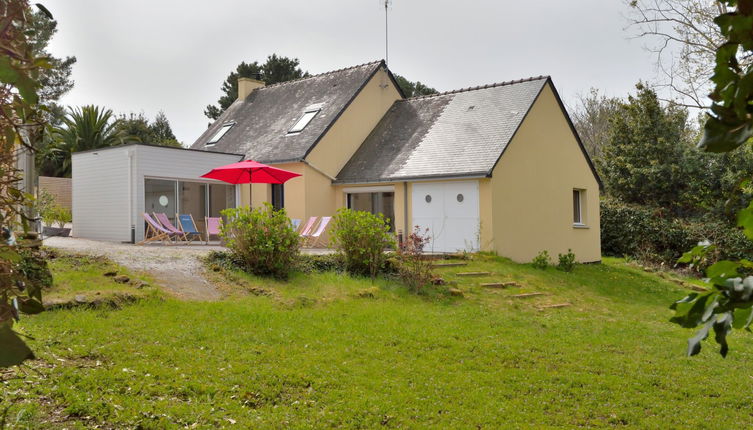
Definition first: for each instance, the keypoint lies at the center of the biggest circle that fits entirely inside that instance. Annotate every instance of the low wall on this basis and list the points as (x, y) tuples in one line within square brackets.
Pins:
[(59, 188)]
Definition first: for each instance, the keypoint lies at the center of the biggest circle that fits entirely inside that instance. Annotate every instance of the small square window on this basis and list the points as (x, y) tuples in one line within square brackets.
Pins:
[(578, 207), (304, 120), (221, 132)]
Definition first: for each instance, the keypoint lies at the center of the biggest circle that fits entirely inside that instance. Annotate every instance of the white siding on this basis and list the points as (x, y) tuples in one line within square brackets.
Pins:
[(101, 189), (100, 194)]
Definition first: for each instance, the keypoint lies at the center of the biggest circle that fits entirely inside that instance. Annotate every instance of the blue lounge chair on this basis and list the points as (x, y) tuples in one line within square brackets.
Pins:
[(188, 225)]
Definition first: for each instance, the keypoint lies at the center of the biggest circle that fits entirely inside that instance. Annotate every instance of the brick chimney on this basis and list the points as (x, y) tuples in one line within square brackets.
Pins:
[(246, 85)]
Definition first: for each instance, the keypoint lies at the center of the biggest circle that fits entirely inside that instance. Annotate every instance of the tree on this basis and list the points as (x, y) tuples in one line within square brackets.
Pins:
[(84, 128), (591, 118), (413, 89), (729, 302), (642, 158), (685, 40), (138, 128), (21, 120), (274, 70), (54, 80)]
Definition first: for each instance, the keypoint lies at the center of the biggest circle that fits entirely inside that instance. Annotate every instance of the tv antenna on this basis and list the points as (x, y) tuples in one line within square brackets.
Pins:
[(387, 4)]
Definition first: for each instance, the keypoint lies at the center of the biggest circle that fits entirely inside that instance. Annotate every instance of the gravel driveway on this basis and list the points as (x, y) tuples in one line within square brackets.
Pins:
[(176, 268)]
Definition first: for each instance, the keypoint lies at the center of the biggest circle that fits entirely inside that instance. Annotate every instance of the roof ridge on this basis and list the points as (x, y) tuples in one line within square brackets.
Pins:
[(479, 87), (322, 74)]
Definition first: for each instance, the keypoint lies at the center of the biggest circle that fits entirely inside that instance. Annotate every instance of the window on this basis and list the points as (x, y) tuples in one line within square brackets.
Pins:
[(578, 196), (221, 132), (376, 203), (305, 119), (278, 196)]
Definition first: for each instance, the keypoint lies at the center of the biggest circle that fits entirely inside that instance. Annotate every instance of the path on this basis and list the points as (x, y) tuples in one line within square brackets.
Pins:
[(176, 268)]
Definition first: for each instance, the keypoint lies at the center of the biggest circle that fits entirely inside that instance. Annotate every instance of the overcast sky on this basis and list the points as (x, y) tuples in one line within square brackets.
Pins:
[(151, 55)]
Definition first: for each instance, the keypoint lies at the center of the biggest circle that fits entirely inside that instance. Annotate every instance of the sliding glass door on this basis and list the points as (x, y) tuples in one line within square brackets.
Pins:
[(200, 199)]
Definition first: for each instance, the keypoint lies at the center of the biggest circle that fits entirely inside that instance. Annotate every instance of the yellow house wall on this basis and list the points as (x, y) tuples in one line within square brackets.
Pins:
[(531, 190), (354, 125)]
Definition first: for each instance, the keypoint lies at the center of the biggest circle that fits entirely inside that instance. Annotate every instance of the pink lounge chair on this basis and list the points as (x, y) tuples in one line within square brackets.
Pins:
[(165, 221), (317, 235), (307, 228), (212, 227), (155, 231)]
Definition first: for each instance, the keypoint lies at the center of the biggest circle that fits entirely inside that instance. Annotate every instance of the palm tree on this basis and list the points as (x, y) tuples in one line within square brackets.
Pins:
[(84, 128)]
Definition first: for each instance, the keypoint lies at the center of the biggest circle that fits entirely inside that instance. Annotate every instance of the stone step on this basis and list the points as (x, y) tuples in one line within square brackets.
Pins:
[(526, 295), (554, 306), (448, 264), (474, 273), (500, 284)]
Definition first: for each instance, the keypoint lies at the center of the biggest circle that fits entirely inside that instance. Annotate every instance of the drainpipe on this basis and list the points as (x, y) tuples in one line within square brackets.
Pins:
[(130, 196), (407, 229)]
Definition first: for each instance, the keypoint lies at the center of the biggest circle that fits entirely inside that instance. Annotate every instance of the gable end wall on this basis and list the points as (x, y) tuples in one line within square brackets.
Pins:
[(532, 185)]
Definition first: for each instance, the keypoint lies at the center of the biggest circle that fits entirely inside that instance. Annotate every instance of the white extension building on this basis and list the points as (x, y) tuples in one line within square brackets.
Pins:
[(112, 187)]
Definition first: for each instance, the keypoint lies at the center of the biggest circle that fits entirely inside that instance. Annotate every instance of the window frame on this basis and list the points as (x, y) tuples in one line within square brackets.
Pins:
[(294, 129), (219, 134), (578, 209)]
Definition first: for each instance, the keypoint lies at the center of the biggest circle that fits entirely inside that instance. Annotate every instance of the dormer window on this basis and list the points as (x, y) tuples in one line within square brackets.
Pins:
[(221, 132), (306, 118)]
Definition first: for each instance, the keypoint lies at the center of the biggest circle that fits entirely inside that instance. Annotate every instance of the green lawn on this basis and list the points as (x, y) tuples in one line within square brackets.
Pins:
[(313, 353)]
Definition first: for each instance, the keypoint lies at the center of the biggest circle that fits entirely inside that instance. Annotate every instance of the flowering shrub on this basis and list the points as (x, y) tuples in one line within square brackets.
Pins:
[(413, 268), (263, 238)]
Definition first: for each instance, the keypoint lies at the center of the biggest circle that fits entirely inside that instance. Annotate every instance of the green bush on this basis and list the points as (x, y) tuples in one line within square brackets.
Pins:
[(650, 235), (56, 215), (262, 238), (320, 263), (361, 238), (541, 261), (566, 261)]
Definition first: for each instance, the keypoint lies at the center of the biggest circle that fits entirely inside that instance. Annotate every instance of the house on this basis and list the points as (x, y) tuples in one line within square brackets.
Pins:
[(112, 187), (495, 168)]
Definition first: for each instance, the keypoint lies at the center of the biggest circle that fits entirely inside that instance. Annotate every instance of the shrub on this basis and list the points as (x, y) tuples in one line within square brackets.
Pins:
[(541, 261), (56, 215), (262, 238), (361, 238), (320, 263), (412, 268), (566, 261), (649, 235)]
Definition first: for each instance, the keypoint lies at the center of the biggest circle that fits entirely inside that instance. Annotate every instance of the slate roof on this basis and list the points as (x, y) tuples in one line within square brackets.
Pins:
[(455, 134), (263, 119)]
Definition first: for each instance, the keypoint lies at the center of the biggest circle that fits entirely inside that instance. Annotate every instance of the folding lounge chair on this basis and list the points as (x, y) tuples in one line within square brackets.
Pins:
[(155, 231), (188, 226), (295, 222), (212, 227), (307, 229), (317, 235), (165, 221)]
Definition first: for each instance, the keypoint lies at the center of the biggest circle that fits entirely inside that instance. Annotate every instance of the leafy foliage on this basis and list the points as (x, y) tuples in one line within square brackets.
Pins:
[(651, 235), (542, 260), (591, 117), (729, 303), (262, 238), (566, 261), (729, 125), (413, 268), (274, 70), (55, 80), (641, 161), (21, 122), (413, 89), (361, 238), (138, 128)]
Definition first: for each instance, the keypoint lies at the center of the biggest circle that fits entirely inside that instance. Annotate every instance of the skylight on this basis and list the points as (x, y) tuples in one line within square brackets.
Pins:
[(308, 115), (221, 132)]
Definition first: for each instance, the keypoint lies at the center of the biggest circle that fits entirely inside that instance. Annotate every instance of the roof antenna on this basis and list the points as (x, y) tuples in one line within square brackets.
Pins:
[(386, 33)]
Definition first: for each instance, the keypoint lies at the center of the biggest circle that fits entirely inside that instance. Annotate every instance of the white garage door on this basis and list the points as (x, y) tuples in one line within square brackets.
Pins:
[(450, 211)]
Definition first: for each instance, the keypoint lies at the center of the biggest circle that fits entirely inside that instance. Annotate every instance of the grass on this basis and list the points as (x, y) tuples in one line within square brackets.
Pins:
[(311, 352), (83, 275)]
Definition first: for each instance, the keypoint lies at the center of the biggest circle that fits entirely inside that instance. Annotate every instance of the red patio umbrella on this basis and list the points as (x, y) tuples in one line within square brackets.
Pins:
[(249, 171)]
